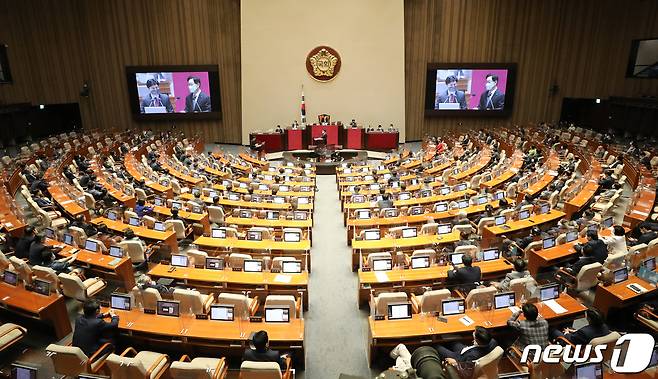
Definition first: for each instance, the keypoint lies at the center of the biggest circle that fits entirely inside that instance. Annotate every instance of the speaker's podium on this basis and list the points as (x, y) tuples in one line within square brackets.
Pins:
[(333, 131), (294, 139)]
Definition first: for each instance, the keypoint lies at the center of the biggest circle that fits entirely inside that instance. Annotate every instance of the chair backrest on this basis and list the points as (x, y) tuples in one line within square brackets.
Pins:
[(237, 259), (128, 214), (484, 222), (615, 261), (286, 301), (380, 255), (216, 214), (241, 303), (487, 366), (140, 194), (260, 370), (429, 228), (4, 261), (197, 257), (431, 253), (384, 299), (609, 340), (47, 274), (471, 250), (277, 262), (67, 360), (149, 221), (397, 231), (101, 245), (468, 229), (189, 300), (79, 235), (587, 276), (481, 297), (431, 300), (198, 368), (177, 226), (22, 268), (150, 298), (230, 232), (134, 249), (125, 367), (523, 287), (265, 232), (73, 287)]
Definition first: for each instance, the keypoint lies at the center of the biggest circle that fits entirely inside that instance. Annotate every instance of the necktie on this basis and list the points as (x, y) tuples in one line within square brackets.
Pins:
[(452, 98)]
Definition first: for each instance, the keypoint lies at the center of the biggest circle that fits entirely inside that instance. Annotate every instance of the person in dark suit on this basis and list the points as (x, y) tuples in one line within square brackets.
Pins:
[(466, 276), (196, 101), (596, 328), (586, 259), (262, 352), (482, 345), (91, 331), (42, 255), (155, 98), (451, 94), (599, 248), (492, 98), (385, 202), (646, 235), (22, 249)]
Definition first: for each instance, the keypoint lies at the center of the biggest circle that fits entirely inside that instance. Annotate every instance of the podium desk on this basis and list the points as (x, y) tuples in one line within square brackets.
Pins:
[(384, 335), (333, 133), (354, 138), (295, 139), (273, 141), (382, 140), (219, 338), (415, 280), (101, 264), (51, 309), (620, 296), (259, 284), (167, 237)]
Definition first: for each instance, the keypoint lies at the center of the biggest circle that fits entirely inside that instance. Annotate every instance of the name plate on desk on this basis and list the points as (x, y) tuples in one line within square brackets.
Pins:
[(255, 319), (236, 268), (365, 269), (149, 311), (275, 271), (379, 317), (201, 317)]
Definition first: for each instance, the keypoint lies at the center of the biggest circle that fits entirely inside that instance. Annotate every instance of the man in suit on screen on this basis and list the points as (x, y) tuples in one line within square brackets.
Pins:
[(196, 101), (492, 98), (155, 98), (451, 94)]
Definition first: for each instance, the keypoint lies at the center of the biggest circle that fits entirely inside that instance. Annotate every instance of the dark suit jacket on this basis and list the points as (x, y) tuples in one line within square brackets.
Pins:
[(466, 276), (580, 263), (443, 98), (164, 99), (202, 103), (587, 333), (40, 254), (647, 237), (90, 333), (600, 252), (23, 247), (497, 101), (266, 356), (472, 354)]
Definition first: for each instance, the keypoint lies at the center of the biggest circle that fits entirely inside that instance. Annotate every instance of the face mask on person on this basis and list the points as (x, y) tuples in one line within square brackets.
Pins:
[(192, 87), (489, 86)]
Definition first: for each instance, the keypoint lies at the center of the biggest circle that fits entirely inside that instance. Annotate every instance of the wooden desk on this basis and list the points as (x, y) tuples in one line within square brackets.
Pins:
[(383, 335), (119, 195), (414, 280), (130, 163), (8, 220), (166, 237), (643, 202), (514, 227), (52, 309), (186, 333), (69, 205), (619, 296), (258, 283), (100, 264), (277, 225), (515, 166), (397, 244), (249, 204), (201, 218)]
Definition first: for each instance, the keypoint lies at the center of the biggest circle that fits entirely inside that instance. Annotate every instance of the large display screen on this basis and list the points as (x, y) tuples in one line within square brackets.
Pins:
[(171, 92), (477, 89)]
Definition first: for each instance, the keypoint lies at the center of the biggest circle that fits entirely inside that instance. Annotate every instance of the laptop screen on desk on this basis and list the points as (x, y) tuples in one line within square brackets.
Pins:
[(500, 220), (302, 200), (291, 267), (456, 258), (179, 260), (272, 215), (233, 196), (277, 314), (589, 371), (420, 262), (416, 211), (121, 302), (68, 239), (116, 252), (133, 221), (254, 235), (481, 200), (252, 265), (571, 236), (499, 195), (112, 215), (221, 312), (621, 275), (549, 242), (463, 204), (278, 200), (218, 233), (650, 263), (444, 229), (607, 222), (523, 215), (426, 193), (168, 308), (292, 237), (213, 263), (245, 213), (42, 287), (91, 245), (549, 292), (10, 277), (404, 196), (159, 226), (452, 307), (490, 254), (50, 233), (441, 207), (23, 372), (444, 190), (300, 215), (284, 188), (504, 300), (399, 311), (460, 187), (371, 235), (382, 264), (176, 205)]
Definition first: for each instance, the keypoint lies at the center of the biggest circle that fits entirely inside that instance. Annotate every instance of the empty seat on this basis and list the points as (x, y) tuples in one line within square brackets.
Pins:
[(481, 297), (198, 368), (430, 301), (10, 334), (74, 287), (23, 270), (284, 301), (264, 370), (243, 306), (72, 361), (193, 301), (134, 249), (131, 364), (379, 304)]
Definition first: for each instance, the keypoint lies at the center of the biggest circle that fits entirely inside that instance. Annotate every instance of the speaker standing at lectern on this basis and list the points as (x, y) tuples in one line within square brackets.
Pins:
[(196, 101), (155, 99), (492, 98)]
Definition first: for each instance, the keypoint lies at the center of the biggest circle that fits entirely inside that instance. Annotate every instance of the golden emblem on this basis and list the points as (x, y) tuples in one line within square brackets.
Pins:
[(323, 63)]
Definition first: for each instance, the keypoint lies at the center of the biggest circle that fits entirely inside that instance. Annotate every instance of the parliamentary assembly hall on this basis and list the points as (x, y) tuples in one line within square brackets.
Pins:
[(328, 189)]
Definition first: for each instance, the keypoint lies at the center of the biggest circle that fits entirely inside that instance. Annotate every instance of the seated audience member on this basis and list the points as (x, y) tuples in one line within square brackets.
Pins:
[(646, 235), (533, 330), (535, 235), (141, 209), (599, 248), (129, 235), (385, 202), (596, 328), (586, 258), (42, 255), (90, 230), (616, 243), (145, 281), (91, 331), (197, 199), (262, 352), (457, 352), (465, 277), (22, 249), (519, 272)]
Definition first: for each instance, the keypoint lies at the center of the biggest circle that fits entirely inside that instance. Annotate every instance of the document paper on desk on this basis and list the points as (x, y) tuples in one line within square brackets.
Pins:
[(555, 307), (282, 278), (381, 276)]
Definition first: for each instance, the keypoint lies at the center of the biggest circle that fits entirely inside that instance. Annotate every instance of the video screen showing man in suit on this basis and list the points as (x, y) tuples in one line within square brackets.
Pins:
[(196, 101), (154, 101), (464, 89)]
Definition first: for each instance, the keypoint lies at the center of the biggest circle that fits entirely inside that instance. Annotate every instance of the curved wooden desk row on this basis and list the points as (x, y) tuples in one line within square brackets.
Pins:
[(278, 225), (257, 283), (130, 163), (150, 235), (103, 265), (619, 296), (9, 221), (643, 202), (415, 280), (426, 330), (411, 202), (511, 228), (186, 333), (250, 204)]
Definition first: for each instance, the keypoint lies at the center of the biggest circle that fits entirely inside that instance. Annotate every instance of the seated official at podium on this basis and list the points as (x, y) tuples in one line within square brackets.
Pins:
[(278, 129), (451, 95), (353, 124), (155, 100)]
